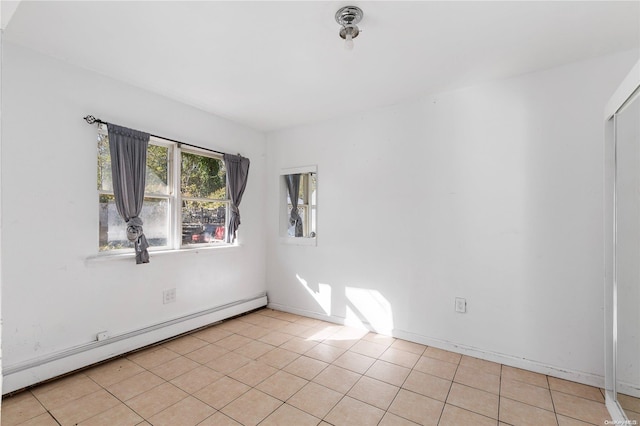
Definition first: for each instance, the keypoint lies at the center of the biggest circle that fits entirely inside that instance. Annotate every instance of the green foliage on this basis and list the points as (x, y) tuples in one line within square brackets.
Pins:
[(202, 177), (104, 163), (157, 167)]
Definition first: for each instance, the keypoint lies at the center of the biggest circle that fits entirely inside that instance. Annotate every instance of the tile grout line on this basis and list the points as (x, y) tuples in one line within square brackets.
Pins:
[(407, 390), (350, 388), (475, 412), (76, 399), (364, 375), (282, 369), (154, 387), (401, 386), (145, 419), (310, 381), (553, 404), (500, 392), (449, 391)]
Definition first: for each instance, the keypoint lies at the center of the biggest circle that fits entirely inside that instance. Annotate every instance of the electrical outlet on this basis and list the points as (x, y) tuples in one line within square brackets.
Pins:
[(169, 296), (102, 335), (461, 305)]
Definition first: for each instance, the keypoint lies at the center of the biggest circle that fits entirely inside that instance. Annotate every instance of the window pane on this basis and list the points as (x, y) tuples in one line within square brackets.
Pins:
[(312, 186), (104, 164), (113, 235), (302, 211), (313, 201), (301, 189), (157, 170), (303, 186), (203, 222), (156, 173), (203, 177)]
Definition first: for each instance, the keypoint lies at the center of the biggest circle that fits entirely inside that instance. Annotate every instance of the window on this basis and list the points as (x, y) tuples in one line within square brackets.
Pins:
[(203, 189), (184, 206), (307, 206)]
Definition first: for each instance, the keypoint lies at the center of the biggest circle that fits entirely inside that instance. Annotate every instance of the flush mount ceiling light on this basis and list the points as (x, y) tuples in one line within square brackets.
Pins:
[(348, 17)]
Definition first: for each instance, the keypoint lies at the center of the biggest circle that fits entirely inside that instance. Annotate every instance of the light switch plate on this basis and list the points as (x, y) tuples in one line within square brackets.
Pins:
[(461, 305)]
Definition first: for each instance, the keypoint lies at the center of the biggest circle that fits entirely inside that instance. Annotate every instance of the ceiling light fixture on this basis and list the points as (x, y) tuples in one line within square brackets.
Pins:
[(348, 17)]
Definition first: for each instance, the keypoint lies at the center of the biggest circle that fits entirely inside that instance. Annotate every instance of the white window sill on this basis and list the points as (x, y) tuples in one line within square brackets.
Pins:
[(107, 257), (299, 241)]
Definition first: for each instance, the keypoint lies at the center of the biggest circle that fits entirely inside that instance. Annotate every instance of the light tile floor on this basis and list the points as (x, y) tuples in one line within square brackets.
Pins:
[(275, 368), (631, 406)]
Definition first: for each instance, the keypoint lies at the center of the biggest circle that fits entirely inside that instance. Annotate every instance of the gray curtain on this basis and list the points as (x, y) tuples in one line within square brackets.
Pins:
[(293, 187), (128, 167), (237, 174)]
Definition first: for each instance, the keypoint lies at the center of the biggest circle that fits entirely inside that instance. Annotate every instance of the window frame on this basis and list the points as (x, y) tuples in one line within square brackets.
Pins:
[(174, 199), (180, 198), (312, 207)]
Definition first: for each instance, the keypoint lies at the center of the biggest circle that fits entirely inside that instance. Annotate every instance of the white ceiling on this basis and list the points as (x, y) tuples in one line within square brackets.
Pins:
[(271, 65)]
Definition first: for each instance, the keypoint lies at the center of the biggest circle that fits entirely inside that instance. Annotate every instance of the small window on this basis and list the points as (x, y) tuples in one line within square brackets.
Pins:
[(299, 228), (306, 206), (187, 207)]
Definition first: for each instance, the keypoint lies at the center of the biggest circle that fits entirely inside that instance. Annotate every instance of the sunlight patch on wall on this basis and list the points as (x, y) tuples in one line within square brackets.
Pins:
[(322, 296), (369, 307), (352, 319)]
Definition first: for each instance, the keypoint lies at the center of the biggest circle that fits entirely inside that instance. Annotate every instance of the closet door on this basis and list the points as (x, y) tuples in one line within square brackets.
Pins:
[(627, 264)]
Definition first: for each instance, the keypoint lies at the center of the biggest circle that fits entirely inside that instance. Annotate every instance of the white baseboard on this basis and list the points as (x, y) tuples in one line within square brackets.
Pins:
[(512, 361), (20, 375), (631, 389)]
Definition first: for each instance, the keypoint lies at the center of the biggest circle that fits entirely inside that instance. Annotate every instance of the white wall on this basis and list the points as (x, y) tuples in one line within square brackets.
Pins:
[(492, 193), (54, 296)]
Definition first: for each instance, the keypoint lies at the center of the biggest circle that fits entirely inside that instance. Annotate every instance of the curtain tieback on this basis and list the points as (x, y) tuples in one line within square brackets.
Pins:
[(295, 217), (134, 228), (135, 234)]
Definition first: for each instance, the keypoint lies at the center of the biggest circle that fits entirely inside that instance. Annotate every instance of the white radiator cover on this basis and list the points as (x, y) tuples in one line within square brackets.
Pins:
[(33, 371)]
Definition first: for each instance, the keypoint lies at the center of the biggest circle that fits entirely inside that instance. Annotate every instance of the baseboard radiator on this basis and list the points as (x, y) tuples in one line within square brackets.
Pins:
[(24, 374)]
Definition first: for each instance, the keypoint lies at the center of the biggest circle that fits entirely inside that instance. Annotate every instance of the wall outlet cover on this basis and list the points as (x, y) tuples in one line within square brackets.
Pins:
[(461, 305), (169, 296)]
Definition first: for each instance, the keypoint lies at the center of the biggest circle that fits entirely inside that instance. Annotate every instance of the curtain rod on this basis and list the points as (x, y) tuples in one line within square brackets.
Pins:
[(90, 119)]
